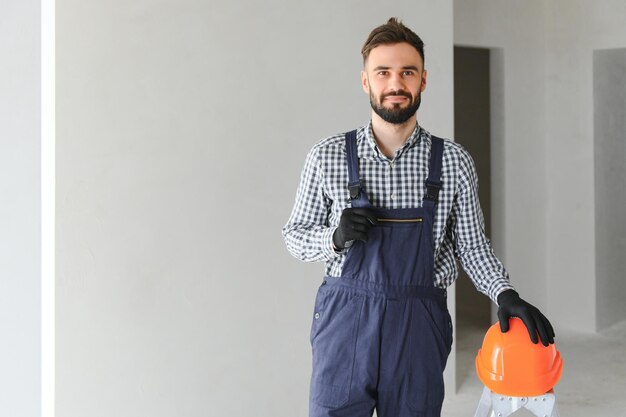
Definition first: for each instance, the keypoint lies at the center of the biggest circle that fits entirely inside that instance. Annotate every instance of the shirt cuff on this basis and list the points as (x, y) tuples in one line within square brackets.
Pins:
[(328, 247), (499, 290)]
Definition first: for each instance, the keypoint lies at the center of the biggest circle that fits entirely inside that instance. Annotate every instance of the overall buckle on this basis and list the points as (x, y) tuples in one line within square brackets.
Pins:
[(432, 190), (355, 190)]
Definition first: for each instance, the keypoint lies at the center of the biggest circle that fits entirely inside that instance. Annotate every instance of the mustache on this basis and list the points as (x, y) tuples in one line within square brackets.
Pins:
[(399, 93)]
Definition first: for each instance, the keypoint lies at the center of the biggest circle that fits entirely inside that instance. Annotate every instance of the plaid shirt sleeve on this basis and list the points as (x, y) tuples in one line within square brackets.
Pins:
[(472, 248), (307, 234)]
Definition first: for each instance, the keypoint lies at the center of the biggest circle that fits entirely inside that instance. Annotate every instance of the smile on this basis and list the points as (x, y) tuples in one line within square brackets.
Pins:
[(395, 99)]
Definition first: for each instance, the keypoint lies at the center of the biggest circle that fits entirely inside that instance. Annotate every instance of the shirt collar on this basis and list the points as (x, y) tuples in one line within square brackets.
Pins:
[(412, 140)]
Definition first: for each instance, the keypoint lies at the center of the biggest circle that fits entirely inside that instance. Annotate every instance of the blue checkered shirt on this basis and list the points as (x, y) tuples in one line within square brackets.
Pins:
[(459, 231)]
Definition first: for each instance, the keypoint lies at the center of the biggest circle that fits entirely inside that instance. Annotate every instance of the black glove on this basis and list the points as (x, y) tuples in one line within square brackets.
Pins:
[(353, 225), (511, 305)]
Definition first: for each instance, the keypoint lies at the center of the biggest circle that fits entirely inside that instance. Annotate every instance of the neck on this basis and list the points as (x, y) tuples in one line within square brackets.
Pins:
[(390, 137)]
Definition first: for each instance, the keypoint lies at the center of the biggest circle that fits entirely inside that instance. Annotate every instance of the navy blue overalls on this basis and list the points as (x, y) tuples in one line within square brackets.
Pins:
[(382, 333)]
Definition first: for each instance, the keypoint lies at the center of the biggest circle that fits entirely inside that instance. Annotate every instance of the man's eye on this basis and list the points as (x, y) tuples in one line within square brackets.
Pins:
[(382, 72), (408, 72)]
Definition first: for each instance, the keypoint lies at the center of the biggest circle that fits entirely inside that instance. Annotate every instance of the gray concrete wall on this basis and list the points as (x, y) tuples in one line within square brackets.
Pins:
[(513, 33), (575, 29), (20, 208), (548, 211), (609, 121), (182, 129)]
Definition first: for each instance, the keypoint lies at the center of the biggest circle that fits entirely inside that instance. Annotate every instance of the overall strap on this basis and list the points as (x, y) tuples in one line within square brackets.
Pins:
[(433, 182), (357, 196)]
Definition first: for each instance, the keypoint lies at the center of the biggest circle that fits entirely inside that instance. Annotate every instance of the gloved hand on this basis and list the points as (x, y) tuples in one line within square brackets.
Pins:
[(511, 305), (353, 225)]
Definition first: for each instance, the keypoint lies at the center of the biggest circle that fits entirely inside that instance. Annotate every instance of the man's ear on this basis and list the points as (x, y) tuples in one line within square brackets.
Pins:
[(364, 82), (424, 74)]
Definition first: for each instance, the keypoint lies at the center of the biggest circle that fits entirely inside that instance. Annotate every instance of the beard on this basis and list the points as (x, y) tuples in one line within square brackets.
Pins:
[(396, 114)]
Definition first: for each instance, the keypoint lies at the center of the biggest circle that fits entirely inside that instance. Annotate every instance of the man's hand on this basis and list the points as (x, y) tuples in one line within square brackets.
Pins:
[(511, 305), (353, 225)]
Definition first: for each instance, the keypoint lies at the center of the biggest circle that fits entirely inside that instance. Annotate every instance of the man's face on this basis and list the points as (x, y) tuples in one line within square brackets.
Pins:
[(394, 77)]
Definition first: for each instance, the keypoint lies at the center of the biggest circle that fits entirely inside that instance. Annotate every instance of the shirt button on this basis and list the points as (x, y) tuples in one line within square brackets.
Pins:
[(317, 316), (393, 196)]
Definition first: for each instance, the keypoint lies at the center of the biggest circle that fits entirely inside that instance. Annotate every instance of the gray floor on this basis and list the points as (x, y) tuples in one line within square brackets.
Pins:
[(593, 381)]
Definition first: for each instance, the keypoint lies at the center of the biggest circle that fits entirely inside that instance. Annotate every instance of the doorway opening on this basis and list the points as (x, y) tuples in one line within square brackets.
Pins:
[(479, 127), (609, 109)]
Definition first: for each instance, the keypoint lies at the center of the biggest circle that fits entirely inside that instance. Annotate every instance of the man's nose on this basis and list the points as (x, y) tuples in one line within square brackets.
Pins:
[(396, 83)]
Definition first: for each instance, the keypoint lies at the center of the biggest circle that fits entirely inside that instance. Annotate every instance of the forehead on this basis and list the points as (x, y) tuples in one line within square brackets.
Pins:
[(395, 55)]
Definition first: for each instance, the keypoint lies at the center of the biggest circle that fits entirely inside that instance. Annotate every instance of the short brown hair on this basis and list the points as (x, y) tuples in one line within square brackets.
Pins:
[(392, 32)]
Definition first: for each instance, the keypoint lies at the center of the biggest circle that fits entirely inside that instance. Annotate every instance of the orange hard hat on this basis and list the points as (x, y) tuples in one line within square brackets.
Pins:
[(511, 364)]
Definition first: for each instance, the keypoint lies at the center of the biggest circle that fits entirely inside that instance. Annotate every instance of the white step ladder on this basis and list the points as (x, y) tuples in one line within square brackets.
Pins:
[(496, 405)]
